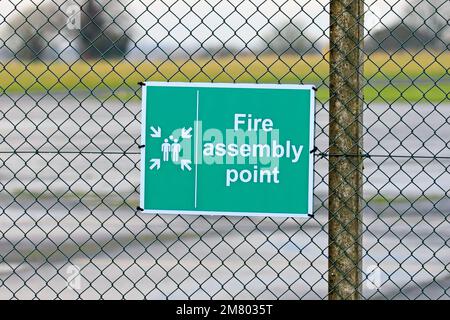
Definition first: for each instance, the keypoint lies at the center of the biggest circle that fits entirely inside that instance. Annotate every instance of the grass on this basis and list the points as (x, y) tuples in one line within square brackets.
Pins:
[(402, 199), (389, 75)]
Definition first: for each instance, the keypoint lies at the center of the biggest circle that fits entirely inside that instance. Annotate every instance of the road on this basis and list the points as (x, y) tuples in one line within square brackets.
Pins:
[(78, 208)]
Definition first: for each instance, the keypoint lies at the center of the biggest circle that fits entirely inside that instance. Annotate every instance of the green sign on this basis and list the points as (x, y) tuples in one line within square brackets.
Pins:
[(227, 149)]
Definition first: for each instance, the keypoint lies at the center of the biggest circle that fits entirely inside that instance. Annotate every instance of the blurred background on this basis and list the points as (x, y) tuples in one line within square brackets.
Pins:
[(69, 162)]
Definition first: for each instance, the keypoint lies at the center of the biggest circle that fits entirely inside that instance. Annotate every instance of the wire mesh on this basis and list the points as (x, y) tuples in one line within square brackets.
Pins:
[(69, 157)]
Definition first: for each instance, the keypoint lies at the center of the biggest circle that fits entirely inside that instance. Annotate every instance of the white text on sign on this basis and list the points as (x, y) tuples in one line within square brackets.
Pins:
[(272, 149)]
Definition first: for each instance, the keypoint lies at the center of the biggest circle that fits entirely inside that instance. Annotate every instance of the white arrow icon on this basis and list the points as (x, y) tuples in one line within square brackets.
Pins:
[(155, 163), (156, 132), (185, 163), (186, 133)]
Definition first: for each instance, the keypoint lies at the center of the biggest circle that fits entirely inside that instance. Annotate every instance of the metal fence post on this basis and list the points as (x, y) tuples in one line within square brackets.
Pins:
[(345, 165)]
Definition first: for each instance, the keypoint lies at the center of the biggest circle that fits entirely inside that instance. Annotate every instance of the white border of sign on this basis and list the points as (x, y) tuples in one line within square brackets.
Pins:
[(230, 85)]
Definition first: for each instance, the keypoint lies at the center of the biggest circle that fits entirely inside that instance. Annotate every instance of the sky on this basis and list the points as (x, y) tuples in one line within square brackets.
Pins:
[(214, 22)]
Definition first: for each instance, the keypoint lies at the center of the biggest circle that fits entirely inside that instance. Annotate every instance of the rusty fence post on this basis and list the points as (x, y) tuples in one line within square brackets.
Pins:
[(345, 161)]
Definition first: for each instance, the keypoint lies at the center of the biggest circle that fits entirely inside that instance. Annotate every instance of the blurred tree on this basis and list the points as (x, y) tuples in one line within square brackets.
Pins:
[(432, 16), (397, 37), (422, 25), (41, 31), (32, 29), (288, 38), (33, 44), (100, 38)]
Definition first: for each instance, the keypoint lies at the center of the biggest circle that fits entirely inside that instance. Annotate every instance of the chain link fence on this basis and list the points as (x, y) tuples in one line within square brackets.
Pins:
[(70, 130)]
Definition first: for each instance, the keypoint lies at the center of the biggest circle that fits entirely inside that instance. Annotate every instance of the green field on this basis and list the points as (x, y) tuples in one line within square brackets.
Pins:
[(399, 77)]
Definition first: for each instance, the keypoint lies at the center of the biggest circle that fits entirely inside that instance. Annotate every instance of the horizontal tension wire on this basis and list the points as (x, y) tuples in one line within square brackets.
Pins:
[(319, 154)]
